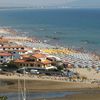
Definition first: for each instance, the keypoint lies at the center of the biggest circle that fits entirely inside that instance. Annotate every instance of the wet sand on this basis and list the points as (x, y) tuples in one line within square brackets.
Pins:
[(85, 91), (45, 86), (85, 95)]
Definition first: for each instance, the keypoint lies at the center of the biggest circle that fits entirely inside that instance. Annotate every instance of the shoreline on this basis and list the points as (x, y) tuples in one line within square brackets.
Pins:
[(71, 55), (43, 85)]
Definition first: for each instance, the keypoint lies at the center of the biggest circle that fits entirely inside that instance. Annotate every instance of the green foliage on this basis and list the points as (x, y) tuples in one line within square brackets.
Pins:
[(60, 68), (9, 66), (3, 98)]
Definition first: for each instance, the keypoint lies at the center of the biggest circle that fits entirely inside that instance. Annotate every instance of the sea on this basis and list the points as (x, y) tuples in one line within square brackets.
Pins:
[(74, 28)]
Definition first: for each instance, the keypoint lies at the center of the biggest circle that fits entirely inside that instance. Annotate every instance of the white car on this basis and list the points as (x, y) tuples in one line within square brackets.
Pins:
[(34, 71), (0, 69)]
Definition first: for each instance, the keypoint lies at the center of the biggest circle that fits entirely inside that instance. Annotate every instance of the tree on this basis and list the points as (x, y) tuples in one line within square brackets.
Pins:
[(60, 68), (3, 98), (10, 66)]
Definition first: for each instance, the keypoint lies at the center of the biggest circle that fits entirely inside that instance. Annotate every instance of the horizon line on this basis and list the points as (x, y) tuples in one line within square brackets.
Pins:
[(42, 7)]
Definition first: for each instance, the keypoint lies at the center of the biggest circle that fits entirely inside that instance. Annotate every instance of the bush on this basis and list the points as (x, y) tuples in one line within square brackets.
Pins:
[(3, 98)]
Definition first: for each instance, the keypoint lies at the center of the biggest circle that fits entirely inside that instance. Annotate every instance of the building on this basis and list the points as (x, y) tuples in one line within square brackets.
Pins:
[(35, 60), (9, 48), (3, 41), (15, 55), (5, 57), (39, 57), (28, 63)]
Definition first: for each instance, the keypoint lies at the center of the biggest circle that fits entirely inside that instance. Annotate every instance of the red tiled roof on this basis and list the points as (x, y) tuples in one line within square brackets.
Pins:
[(39, 55), (12, 46), (5, 54), (46, 62), (25, 56), (19, 61), (3, 40), (21, 50), (24, 61)]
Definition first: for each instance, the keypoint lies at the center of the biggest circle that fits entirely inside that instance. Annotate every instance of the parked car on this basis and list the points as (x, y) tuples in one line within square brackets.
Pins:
[(32, 71), (0, 69)]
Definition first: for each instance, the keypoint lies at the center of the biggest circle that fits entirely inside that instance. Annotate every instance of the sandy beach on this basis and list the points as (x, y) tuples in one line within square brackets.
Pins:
[(44, 52), (44, 84), (91, 73), (85, 91), (87, 95), (7, 31)]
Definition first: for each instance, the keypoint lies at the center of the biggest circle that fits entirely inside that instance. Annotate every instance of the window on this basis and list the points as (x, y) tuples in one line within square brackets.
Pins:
[(14, 52), (39, 59), (23, 64), (38, 65), (20, 64), (3, 48), (1, 61), (1, 56), (27, 65), (22, 48), (31, 65)]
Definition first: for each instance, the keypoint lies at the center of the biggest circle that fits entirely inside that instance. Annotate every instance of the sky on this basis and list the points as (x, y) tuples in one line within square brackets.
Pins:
[(51, 3)]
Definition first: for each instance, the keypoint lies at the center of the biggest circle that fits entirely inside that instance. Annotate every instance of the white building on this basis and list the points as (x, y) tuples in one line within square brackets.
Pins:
[(5, 57)]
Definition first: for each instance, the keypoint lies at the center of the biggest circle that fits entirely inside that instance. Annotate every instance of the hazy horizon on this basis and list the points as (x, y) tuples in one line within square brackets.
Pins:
[(51, 3)]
